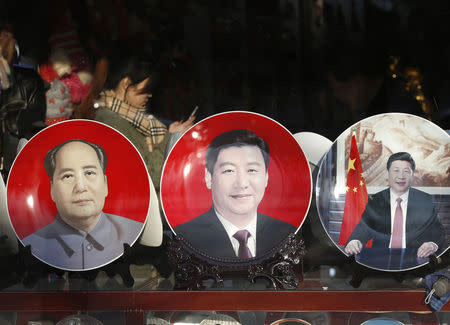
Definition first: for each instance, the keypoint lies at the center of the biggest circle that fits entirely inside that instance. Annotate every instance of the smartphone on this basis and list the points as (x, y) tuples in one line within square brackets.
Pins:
[(194, 112)]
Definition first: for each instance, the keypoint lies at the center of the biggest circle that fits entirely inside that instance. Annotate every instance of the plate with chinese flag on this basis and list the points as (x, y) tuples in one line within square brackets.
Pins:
[(383, 192)]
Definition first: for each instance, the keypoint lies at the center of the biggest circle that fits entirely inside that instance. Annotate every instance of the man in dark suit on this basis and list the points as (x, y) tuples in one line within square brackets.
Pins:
[(399, 216), (236, 173)]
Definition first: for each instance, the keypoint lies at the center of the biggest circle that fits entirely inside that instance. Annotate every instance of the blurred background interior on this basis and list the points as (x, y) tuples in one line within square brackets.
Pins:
[(312, 65)]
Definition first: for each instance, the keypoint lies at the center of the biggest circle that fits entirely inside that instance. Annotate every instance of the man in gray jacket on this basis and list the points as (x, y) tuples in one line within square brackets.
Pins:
[(82, 236)]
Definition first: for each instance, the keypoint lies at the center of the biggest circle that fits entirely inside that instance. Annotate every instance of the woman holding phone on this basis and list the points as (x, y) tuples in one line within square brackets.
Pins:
[(122, 105)]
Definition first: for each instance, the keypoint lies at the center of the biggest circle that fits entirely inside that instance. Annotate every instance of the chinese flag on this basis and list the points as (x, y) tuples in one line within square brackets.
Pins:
[(356, 196)]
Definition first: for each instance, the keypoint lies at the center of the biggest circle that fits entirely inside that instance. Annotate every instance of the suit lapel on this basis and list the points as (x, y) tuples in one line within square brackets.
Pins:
[(413, 217), (385, 205), (219, 235), (263, 236)]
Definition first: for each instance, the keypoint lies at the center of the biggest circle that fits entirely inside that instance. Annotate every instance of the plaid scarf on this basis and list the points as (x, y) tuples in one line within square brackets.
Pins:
[(147, 124)]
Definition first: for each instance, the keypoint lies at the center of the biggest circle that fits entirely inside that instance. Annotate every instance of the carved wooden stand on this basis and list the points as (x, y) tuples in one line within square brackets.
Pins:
[(281, 267)]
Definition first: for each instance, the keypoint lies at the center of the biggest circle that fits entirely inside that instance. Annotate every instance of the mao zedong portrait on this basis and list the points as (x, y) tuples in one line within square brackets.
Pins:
[(237, 174), (399, 216), (81, 236)]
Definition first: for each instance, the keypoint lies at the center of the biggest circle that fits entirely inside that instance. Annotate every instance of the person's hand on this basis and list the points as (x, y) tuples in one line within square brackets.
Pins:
[(426, 249), (181, 126), (353, 247)]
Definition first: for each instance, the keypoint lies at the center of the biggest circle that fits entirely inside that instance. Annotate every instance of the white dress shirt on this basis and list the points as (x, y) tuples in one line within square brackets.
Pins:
[(232, 229)]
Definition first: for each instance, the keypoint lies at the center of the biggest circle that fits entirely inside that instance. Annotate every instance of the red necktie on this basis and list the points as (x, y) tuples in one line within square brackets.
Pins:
[(242, 238), (397, 231)]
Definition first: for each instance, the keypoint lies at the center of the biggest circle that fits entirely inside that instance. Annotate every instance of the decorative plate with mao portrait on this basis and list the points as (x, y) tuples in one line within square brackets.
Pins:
[(77, 192), (235, 186), (383, 191)]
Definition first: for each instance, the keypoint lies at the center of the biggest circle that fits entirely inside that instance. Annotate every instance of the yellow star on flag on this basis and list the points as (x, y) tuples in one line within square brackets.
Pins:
[(361, 183), (351, 164), (347, 188), (355, 189)]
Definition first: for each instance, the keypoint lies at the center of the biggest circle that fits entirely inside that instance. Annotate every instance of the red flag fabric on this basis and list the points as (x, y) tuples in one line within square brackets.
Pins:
[(356, 194)]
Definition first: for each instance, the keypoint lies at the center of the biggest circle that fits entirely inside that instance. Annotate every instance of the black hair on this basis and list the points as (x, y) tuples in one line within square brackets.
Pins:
[(50, 157), (234, 138), (133, 67), (405, 156)]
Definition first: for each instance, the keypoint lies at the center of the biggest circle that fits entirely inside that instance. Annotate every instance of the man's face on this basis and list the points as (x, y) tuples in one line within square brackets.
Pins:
[(400, 176), (79, 187), (238, 181)]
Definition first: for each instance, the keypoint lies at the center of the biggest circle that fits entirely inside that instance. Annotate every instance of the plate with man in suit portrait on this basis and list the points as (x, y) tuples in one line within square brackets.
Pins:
[(383, 191), (235, 186)]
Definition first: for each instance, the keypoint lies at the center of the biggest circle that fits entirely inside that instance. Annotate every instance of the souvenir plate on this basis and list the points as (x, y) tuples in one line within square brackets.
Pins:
[(393, 318), (265, 190), (313, 318), (152, 320), (354, 187), (314, 145), (288, 321), (219, 319), (382, 321), (152, 234), (8, 241), (79, 319), (79, 219)]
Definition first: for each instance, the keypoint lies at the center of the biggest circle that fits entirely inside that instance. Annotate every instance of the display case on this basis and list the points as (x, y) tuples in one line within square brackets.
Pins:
[(270, 58), (143, 285), (329, 290)]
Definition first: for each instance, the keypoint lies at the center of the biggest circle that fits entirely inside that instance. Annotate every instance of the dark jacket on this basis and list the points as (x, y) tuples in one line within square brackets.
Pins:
[(207, 234), (422, 222), (22, 109), (23, 104)]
